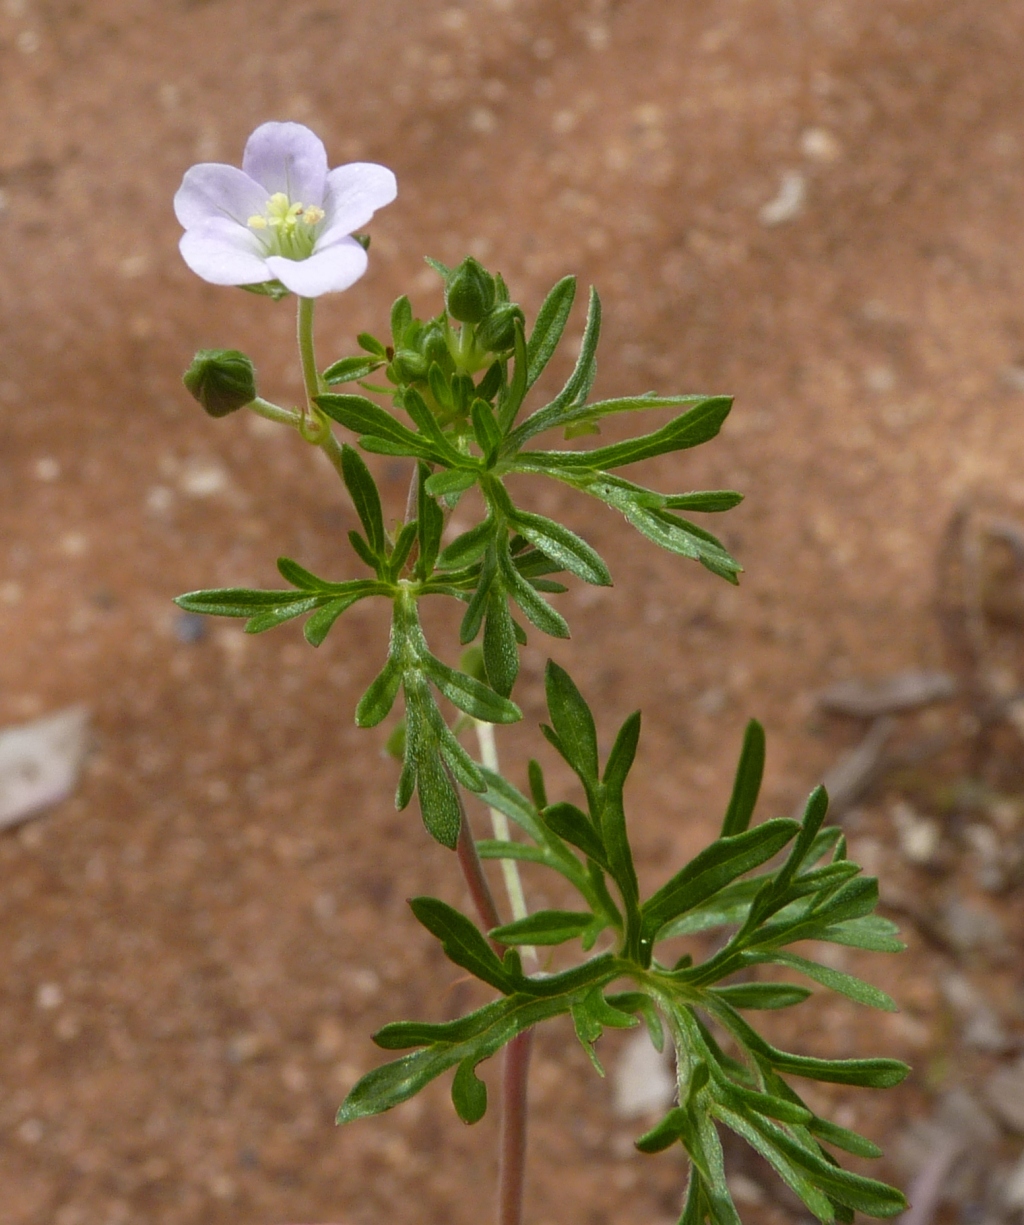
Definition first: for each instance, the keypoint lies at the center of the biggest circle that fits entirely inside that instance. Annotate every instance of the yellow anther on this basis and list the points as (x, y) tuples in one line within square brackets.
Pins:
[(257, 222), (313, 215)]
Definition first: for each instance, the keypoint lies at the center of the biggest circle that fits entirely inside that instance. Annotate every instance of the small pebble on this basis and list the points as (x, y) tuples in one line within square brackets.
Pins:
[(189, 628), (788, 203)]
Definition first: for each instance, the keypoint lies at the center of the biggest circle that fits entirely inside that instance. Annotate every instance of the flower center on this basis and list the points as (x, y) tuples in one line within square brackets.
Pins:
[(287, 229)]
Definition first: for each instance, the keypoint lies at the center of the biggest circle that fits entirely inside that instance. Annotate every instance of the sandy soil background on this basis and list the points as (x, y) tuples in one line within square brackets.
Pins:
[(197, 944)]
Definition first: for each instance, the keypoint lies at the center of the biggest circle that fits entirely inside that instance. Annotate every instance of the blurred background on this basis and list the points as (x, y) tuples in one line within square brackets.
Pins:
[(814, 205)]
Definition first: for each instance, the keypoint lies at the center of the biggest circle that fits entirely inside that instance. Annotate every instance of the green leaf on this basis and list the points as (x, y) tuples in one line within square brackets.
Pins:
[(612, 823), (562, 546), (430, 525), (843, 1138), (320, 623), (538, 611), (868, 1073), (535, 776), (378, 430), (514, 394), (274, 617), (620, 759), (469, 1093), (363, 490), (299, 576), (710, 501), (451, 481), (351, 368), (637, 1001), (762, 1102), (762, 995), (814, 816), (690, 429), (684, 538), (470, 695), (836, 980), (578, 419), (870, 932), (376, 702), (439, 803), (568, 822), (242, 602), (747, 786), (486, 1032), (501, 794), (485, 427), (544, 927), (866, 1195), (468, 548), (439, 386), (401, 318), (573, 723), (790, 1173), (578, 385), (501, 655), (371, 344), (729, 906), (714, 868), (462, 941), (438, 267), (401, 1035), (426, 422), (548, 328)]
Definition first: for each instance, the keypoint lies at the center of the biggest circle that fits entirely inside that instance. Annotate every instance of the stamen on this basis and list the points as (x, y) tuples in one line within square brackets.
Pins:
[(257, 222), (313, 215)]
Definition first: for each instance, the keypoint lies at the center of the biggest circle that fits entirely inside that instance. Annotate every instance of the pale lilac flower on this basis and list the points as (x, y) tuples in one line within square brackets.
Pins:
[(284, 216)]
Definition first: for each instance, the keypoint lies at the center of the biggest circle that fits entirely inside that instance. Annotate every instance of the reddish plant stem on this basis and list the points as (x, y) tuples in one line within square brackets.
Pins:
[(473, 871), (512, 1164), (516, 1067)]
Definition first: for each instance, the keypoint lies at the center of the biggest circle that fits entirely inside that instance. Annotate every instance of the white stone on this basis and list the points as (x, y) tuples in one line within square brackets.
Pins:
[(642, 1079), (40, 763)]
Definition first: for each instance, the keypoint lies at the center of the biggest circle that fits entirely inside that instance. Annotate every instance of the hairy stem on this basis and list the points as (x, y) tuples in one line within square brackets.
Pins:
[(515, 1070), (499, 822), (273, 412), (473, 871), (313, 425), (307, 354), (512, 1164)]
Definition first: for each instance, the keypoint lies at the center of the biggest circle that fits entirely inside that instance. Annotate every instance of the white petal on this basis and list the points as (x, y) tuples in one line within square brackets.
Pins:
[(326, 271), (224, 253), (287, 157), (354, 193), (212, 190)]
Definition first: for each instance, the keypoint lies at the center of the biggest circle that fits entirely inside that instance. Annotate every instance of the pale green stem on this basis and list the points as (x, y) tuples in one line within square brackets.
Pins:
[(314, 426), (306, 351), (274, 412), (499, 822)]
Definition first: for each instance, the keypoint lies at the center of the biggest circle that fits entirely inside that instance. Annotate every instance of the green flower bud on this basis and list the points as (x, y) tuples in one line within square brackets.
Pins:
[(222, 380), (434, 345), (469, 292), (410, 365), (497, 330)]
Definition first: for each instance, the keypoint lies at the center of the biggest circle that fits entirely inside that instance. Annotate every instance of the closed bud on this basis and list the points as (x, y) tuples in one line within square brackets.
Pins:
[(222, 380), (434, 344), (410, 365), (469, 292), (497, 330)]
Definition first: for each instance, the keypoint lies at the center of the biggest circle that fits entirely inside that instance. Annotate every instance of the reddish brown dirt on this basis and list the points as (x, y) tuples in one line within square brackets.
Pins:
[(221, 904)]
